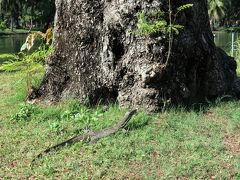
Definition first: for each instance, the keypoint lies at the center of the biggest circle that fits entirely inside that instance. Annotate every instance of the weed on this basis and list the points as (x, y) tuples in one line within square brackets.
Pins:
[(30, 61), (55, 127), (155, 22), (25, 113), (3, 25)]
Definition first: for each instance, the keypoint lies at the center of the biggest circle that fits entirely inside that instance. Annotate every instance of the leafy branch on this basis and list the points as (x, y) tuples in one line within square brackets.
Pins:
[(155, 22), (30, 60)]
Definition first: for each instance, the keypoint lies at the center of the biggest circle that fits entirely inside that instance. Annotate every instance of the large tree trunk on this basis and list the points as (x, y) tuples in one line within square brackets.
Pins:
[(11, 23), (98, 58)]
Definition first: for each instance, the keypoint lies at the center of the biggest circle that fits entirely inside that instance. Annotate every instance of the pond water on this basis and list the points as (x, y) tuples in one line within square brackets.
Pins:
[(226, 41), (11, 43)]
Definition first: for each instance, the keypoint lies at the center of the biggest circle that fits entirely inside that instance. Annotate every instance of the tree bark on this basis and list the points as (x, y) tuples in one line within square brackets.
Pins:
[(11, 23), (98, 57)]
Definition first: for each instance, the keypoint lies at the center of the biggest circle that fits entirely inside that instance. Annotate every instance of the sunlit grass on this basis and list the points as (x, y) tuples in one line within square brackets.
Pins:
[(9, 31), (6, 57), (177, 143)]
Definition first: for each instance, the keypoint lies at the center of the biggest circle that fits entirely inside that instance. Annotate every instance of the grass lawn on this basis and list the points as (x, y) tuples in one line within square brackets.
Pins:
[(229, 29), (176, 144), (16, 31), (6, 57)]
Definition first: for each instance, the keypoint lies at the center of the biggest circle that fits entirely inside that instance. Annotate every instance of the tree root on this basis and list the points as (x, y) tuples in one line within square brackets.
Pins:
[(90, 136)]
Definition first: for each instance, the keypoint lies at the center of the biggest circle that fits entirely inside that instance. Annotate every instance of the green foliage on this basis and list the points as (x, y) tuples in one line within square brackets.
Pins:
[(146, 27), (27, 66), (25, 113), (8, 57), (231, 9), (216, 10), (3, 25), (35, 41), (183, 7), (83, 116), (155, 21), (27, 11), (55, 127), (30, 61), (174, 28)]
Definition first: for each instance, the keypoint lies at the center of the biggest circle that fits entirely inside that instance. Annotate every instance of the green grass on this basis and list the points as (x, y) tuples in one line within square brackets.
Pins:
[(16, 31), (174, 144), (6, 57), (229, 29)]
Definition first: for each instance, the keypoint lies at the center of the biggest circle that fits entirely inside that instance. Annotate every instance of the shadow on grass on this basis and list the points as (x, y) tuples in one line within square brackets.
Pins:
[(202, 106)]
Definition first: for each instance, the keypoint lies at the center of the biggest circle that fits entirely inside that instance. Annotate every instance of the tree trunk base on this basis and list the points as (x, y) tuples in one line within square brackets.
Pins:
[(98, 58)]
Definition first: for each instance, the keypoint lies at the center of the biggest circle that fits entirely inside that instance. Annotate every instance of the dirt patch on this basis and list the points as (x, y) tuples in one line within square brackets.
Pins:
[(138, 167), (232, 142)]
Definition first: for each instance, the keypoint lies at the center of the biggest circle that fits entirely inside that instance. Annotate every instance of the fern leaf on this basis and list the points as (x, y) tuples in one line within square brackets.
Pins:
[(185, 6)]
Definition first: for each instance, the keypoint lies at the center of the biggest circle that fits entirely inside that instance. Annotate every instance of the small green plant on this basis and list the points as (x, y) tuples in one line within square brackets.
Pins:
[(25, 113), (3, 25), (146, 27), (27, 65), (55, 127), (155, 22), (30, 61), (83, 116), (8, 57)]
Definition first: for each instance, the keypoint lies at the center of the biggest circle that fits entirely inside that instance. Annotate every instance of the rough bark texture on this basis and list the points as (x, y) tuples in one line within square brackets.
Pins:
[(97, 58)]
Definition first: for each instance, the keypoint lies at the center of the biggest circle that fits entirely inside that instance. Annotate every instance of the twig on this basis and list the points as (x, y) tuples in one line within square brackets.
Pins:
[(170, 38)]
